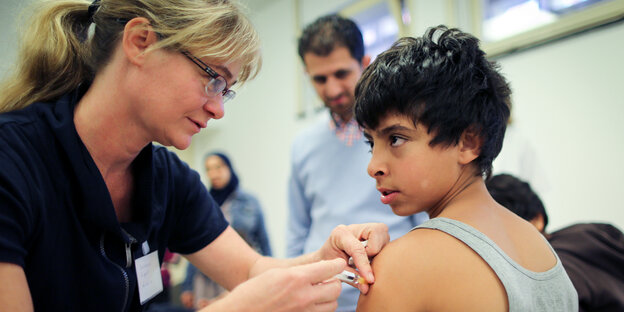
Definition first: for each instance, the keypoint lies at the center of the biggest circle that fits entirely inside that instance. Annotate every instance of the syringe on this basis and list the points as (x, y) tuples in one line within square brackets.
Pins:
[(350, 277)]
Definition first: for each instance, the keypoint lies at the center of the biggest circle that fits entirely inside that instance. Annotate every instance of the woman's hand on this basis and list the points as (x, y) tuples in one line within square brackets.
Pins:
[(308, 287), (346, 241)]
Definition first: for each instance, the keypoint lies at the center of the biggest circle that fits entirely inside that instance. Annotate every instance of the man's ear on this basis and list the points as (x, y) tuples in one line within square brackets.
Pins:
[(470, 145), (366, 59), (137, 37)]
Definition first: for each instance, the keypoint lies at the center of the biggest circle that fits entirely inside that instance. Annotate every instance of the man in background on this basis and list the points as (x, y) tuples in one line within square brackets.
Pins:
[(591, 253), (329, 185)]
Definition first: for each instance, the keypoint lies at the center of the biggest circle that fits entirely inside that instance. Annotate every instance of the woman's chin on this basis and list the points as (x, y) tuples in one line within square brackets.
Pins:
[(179, 144)]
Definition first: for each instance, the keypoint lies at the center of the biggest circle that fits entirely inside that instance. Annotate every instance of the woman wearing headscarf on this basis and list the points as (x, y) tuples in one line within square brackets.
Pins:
[(244, 213)]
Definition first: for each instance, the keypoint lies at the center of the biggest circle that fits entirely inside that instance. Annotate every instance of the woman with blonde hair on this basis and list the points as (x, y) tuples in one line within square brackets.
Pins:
[(88, 204)]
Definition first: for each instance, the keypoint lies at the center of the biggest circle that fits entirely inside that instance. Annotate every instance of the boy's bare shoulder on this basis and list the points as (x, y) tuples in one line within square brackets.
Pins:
[(428, 270)]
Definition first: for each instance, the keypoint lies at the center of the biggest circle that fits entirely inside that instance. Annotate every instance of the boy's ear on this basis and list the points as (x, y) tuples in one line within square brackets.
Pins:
[(470, 145), (137, 37)]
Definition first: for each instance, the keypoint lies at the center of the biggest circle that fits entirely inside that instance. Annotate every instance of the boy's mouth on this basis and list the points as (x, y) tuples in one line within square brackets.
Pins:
[(385, 191), (387, 196)]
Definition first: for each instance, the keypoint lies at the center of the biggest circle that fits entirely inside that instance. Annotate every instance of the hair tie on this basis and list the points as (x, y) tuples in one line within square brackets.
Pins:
[(93, 8)]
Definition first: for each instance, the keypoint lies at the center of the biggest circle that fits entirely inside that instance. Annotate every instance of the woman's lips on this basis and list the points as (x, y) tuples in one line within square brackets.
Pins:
[(198, 125)]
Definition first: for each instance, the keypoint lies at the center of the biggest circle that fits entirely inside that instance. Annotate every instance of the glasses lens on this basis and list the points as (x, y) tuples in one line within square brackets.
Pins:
[(229, 95), (216, 86)]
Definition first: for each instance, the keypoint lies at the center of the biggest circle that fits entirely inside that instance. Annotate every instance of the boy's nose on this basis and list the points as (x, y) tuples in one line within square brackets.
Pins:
[(374, 169)]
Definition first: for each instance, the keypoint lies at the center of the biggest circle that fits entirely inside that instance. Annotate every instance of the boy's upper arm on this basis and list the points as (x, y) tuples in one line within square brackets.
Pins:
[(428, 270), (423, 270), (400, 277)]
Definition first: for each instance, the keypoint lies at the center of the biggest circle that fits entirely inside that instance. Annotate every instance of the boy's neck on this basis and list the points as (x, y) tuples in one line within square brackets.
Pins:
[(468, 187)]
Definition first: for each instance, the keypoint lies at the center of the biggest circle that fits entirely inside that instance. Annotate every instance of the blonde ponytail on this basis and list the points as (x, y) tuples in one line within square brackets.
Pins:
[(51, 57)]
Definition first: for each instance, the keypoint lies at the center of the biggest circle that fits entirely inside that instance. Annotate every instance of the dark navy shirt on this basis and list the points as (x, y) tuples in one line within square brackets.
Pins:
[(58, 222)]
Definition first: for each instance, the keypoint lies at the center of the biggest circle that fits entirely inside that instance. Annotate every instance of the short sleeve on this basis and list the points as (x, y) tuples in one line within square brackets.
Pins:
[(16, 217), (198, 218)]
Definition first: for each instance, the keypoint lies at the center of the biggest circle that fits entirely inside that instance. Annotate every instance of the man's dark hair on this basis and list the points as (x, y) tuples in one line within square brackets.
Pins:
[(443, 81), (517, 196), (329, 32)]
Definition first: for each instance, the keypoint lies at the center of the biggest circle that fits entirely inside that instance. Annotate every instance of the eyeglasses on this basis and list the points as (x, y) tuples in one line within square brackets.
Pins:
[(217, 84)]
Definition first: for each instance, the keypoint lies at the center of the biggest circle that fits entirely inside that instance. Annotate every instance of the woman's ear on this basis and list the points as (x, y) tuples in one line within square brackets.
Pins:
[(470, 145), (137, 37)]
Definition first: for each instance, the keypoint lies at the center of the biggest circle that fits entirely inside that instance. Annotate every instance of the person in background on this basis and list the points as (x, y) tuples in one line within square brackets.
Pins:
[(163, 301), (242, 210), (434, 111), (165, 296), (591, 253), (89, 205), (328, 184)]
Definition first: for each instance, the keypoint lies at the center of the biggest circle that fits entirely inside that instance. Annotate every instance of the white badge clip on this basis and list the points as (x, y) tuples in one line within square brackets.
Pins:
[(145, 248)]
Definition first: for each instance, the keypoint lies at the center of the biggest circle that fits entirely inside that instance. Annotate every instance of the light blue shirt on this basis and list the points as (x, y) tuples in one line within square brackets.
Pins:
[(329, 186)]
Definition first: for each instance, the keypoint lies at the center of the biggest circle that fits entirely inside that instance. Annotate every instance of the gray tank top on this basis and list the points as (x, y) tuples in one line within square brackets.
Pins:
[(526, 290)]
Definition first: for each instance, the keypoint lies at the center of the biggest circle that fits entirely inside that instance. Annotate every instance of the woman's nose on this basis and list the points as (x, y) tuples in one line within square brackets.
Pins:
[(214, 106)]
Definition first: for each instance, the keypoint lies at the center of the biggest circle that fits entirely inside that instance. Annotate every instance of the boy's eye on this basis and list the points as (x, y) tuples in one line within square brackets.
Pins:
[(396, 141), (370, 144)]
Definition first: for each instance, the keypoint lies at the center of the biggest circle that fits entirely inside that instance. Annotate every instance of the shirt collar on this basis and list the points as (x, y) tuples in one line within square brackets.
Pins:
[(347, 132), (337, 122)]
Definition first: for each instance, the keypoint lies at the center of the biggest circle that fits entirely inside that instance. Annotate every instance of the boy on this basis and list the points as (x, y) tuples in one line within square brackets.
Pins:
[(327, 185), (434, 111)]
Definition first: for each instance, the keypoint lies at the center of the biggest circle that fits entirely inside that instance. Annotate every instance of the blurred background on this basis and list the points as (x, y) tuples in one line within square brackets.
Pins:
[(563, 58)]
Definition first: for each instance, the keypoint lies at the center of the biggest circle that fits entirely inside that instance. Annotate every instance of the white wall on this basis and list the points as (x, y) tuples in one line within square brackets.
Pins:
[(568, 102), (9, 11), (260, 123), (565, 94)]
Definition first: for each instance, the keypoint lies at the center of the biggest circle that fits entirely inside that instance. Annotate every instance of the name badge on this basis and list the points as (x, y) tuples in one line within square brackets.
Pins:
[(148, 276)]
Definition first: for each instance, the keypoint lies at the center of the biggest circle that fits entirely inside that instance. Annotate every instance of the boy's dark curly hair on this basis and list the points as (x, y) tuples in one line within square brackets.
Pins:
[(442, 81)]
